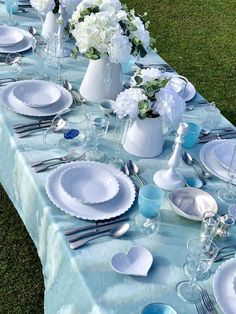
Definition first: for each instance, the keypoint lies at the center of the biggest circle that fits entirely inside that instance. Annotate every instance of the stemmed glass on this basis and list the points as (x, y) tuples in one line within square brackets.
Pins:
[(210, 115), (228, 194), (99, 125), (121, 127), (14, 59), (11, 7)]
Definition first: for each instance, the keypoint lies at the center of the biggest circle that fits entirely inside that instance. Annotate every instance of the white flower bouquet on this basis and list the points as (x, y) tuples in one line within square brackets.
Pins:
[(150, 97), (106, 27), (45, 6)]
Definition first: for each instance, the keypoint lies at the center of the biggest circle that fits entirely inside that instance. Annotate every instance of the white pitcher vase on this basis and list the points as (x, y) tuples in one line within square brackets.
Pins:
[(145, 138), (102, 80), (50, 25)]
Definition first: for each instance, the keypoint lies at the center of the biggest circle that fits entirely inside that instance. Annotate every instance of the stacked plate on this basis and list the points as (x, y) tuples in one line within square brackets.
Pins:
[(90, 190), (24, 3), (216, 156), (14, 39), (35, 98), (224, 286)]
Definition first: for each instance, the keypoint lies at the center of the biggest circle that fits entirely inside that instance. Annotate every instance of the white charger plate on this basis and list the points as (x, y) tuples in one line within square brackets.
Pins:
[(37, 93), (192, 203), (223, 286), (23, 45), (207, 157), (10, 36), (8, 100), (89, 184), (113, 208), (224, 153)]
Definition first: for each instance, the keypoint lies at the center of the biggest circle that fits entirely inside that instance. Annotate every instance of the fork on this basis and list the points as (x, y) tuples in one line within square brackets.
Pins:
[(200, 308), (43, 167), (208, 302), (62, 158)]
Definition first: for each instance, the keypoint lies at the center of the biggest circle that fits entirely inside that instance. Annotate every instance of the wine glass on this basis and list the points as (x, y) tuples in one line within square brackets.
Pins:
[(99, 125), (210, 114), (11, 7), (210, 222), (205, 261), (14, 60), (121, 128), (228, 194)]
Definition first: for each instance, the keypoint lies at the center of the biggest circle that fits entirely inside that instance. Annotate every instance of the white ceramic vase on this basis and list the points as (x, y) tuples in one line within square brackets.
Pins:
[(145, 138), (102, 80), (50, 25)]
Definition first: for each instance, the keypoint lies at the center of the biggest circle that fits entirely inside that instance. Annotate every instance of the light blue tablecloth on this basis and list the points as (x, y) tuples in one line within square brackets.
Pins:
[(82, 281)]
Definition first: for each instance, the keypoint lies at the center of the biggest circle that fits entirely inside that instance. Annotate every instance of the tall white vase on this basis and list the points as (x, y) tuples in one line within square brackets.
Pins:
[(102, 80), (50, 25), (145, 138)]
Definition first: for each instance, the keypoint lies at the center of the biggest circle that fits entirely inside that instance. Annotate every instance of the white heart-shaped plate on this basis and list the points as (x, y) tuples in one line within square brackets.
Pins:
[(136, 262)]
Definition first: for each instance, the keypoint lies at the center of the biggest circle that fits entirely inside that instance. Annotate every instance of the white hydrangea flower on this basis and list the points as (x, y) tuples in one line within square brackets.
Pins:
[(119, 48), (141, 33), (169, 105), (127, 102), (110, 5), (43, 6), (150, 74)]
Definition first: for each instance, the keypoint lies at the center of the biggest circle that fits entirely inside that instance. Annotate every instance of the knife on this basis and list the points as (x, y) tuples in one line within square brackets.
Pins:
[(212, 137), (167, 67), (94, 225), (33, 127), (19, 125)]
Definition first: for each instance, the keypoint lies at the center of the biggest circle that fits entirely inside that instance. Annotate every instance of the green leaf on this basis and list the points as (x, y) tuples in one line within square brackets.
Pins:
[(138, 79), (74, 52), (143, 106)]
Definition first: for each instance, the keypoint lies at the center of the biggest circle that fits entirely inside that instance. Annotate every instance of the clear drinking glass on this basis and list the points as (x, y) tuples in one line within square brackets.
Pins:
[(121, 127), (14, 60), (226, 222), (202, 264), (99, 124), (147, 220), (69, 130), (11, 7), (210, 116), (228, 194), (210, 222)]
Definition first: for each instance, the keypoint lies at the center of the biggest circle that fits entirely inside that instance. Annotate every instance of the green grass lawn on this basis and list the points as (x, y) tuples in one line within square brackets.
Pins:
[(198, 39)]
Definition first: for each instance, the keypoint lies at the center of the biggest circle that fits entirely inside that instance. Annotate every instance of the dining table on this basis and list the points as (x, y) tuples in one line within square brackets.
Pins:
[(82, 281)]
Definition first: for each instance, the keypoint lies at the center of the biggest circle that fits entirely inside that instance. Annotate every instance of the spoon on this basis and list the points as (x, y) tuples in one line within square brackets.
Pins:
[(125, 170), (115, 232), (76, 96), (32, 30), (189, 162), (226, 129), (133, 169), (192, 160), (22, 10)]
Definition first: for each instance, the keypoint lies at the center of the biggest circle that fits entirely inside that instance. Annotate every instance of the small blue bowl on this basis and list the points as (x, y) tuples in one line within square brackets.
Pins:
[(106, 105), (194, 182), (158, 308)]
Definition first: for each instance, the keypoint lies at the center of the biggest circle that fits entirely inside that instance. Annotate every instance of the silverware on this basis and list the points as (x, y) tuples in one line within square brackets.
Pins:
[(220, 258), (208, 302), (133, 169), (33, 127), (166, 66), (227, 135), (46, 167), (23, 10), (97, 224), (23, 125), (191, 160), (115, 232), (98, 230), (191, 164), (200, 308), (192, 106), (62, 158), (226, 129)]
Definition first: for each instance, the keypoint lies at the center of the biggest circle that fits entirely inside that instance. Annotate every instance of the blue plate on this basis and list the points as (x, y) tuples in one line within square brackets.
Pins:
[(158, 308)]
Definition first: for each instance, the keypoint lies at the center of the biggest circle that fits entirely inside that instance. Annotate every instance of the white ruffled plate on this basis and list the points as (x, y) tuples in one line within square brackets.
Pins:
[(224, 153), (223, 287), (37, 93), (189, 91), (207, 157), (23, 45), (8, 100), (89, 184), (10, 36), (113, 208)]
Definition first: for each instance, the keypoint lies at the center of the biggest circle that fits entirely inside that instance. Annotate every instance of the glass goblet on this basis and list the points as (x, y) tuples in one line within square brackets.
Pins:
[(210, 115), (99, 124), (202, 264), (11, 7), (14, 60), (147, 220), (210, 222), (228, 194)]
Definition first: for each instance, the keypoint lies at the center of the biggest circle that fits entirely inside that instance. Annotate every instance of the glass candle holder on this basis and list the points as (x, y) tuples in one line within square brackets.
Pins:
[(226, 222)]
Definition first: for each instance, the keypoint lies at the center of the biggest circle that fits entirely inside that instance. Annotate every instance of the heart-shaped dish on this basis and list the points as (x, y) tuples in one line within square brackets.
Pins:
[(136, 262)]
